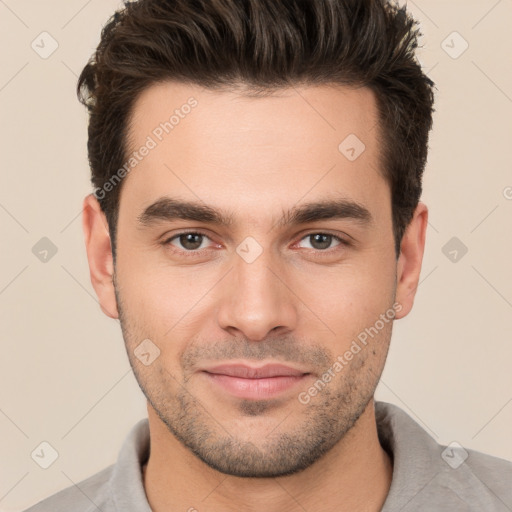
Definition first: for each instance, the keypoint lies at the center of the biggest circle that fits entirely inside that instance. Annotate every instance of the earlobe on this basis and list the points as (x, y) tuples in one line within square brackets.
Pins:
[(410, 259), (99, 254)]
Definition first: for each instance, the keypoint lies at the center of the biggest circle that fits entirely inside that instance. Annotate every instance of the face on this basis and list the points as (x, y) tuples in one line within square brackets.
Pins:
[(249, 238)]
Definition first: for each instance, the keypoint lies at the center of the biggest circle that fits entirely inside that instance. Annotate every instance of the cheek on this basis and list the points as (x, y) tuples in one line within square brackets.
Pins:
[(166, 304), (348, 297), (148, 284)]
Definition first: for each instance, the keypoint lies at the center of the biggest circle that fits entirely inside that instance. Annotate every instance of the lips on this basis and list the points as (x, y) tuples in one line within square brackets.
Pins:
[(249, 372), (254, 383)]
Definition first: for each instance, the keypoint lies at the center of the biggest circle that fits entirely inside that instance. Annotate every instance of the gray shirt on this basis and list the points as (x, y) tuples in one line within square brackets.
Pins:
[(427, 477)]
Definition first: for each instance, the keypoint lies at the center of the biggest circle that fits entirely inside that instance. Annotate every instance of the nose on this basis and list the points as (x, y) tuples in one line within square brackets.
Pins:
[(257, 299)]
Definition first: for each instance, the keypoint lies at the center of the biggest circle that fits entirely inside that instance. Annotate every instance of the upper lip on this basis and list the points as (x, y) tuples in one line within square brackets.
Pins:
[(251, 372)]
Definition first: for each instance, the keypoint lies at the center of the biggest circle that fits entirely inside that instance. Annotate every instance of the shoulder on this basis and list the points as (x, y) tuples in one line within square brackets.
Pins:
[(489, 474), (467, 480), (89, 495), (117, 487), (431, 476)]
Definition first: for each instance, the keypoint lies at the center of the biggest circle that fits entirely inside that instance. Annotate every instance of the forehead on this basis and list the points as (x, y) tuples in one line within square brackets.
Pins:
[(225, 147)]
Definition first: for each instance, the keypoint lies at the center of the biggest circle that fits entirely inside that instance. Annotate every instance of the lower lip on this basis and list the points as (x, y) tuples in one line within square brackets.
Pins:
[(256, 389)]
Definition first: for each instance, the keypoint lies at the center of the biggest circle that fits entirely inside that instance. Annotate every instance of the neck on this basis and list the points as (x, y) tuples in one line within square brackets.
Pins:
[(353, 476)]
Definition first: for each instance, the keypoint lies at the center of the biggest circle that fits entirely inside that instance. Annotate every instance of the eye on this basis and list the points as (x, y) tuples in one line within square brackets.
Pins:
[(189, 241), (323, 241)]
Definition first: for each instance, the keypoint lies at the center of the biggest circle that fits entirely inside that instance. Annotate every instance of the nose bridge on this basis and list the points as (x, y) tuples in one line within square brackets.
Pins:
[(255, 280), (257, 300)]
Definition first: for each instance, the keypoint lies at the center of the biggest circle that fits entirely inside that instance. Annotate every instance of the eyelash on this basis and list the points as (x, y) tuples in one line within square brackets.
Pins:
[(199, 252)]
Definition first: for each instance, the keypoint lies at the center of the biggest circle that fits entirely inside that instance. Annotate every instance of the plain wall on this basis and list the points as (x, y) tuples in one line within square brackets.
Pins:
[(64, 374)]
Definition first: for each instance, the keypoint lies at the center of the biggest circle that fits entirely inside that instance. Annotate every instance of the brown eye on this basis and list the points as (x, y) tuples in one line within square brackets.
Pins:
[(322, 241), (189, 241)]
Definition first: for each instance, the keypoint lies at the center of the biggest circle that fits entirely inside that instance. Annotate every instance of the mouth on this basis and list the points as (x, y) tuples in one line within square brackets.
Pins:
[(255, 383)]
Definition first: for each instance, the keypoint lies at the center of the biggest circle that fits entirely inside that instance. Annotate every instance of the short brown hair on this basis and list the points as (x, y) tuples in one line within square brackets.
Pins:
[(262, 45)]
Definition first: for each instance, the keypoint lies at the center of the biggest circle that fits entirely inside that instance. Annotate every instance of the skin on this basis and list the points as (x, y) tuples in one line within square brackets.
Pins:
[(298, 303)]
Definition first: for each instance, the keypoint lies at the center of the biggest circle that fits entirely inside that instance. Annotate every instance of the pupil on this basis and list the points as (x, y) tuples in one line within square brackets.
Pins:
[(326, 240), (187, 240)]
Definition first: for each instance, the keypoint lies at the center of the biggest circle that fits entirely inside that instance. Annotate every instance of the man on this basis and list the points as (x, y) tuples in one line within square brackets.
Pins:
[(256, 228)]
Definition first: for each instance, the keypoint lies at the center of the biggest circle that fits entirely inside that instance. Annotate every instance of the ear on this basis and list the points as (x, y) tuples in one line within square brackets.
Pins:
[(410, 259), (99, 254)]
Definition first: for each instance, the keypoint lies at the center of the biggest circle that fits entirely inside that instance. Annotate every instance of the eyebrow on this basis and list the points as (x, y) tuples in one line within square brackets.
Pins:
[(170, 209)]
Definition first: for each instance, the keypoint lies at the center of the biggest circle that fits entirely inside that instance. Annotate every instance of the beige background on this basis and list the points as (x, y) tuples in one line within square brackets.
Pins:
[(64, 374)]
